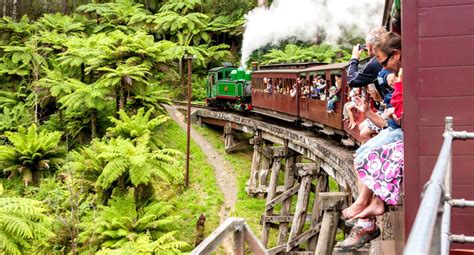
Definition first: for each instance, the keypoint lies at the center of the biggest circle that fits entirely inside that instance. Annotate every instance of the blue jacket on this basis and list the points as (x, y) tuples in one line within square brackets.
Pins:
[(365, 76)]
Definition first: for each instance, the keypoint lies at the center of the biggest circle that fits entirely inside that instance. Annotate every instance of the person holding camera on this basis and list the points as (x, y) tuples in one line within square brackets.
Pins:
[(369, 73)]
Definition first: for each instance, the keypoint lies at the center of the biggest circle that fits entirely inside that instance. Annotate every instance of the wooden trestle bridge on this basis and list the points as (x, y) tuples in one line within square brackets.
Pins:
[(290, 163)]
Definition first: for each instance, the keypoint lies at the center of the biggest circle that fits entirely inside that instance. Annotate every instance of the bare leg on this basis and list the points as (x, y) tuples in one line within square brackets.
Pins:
[(376, 207), (352, 123), (366, 133), (360, 204)]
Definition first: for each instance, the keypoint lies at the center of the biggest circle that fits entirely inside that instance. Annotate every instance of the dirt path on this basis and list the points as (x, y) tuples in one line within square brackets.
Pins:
[(225, 174)]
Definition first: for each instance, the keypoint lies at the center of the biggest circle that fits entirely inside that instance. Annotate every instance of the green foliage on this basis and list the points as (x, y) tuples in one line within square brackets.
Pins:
[(293, 53), (123, 227), (138, 126), (22, 221), (134, 163), (31, 152)]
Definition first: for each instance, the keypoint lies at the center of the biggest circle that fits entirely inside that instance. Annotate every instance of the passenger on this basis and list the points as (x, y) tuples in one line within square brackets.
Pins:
[(334, 95), (368, 128), (268, 86), (306, 91), (370, 71), (379, 162), (321, 88), (347, 110), (293, 91)]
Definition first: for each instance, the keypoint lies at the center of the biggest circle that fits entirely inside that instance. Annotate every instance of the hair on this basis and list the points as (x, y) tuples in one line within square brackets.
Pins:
[(388, 43), (375, 34)]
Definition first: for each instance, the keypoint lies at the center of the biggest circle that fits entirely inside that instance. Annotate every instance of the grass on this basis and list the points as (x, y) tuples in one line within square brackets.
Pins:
[(203, 195), (246, 207)]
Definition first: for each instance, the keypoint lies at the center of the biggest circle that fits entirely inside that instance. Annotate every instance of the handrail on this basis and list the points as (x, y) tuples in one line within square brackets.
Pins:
[(430, 233), (241, 234)]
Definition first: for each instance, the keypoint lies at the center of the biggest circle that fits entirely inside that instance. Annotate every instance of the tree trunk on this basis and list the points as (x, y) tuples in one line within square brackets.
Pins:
[(4, 2), (262, 3), (65, 9), (14, 9), (122, 95), (94, 123)]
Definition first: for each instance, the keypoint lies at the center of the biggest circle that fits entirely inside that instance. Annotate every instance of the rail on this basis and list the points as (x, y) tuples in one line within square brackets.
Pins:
[(430, 233), (241, 235)]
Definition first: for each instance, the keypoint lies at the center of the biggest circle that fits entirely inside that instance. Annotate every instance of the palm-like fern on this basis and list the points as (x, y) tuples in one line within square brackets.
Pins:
[(21, 221), (137, 126), (124, 226), (134, 164), (31, 152)]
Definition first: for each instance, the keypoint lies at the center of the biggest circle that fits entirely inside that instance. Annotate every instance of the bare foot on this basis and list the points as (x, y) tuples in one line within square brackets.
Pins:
[(353, 210), (376, 207)]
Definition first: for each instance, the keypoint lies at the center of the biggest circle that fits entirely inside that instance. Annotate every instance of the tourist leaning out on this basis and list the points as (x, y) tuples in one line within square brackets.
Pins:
[(379, 162)]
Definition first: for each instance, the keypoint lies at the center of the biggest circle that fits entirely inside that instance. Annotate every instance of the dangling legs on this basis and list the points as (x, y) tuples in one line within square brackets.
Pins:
[(360, 204), (376, 207)]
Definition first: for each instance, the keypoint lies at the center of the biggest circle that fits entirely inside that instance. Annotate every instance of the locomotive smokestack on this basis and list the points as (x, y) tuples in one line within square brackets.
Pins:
[(255, 66)]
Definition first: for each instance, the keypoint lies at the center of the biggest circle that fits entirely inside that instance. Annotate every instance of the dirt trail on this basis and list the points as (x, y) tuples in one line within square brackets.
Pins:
[(225, 174)]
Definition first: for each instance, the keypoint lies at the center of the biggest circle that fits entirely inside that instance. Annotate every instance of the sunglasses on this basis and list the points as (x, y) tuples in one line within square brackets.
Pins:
[(385, 62)]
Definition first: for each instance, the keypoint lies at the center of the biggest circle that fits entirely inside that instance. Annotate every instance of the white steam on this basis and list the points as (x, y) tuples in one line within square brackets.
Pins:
[(305, 19)]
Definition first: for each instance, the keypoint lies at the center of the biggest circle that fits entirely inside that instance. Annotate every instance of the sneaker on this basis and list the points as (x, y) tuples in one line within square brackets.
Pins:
[(358, 238), (350, 223)]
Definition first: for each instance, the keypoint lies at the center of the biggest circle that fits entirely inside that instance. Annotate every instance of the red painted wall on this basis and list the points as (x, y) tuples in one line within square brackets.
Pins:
[(438, 63)]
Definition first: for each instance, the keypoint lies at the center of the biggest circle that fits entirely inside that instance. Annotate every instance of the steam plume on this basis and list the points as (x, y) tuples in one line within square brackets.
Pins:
[(305, 19)]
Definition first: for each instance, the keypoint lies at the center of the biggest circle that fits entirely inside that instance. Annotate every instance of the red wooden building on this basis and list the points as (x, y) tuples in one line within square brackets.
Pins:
[(438, 74)]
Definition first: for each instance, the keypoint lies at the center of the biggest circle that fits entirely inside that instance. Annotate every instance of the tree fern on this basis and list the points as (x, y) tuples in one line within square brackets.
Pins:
[(21, 221), (123, 227), (31, 152)]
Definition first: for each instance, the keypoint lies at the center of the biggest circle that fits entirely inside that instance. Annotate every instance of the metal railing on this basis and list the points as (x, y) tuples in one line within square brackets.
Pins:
[(430, 233)]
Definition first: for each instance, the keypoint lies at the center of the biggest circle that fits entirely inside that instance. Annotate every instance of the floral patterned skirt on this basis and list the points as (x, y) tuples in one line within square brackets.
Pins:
[(381, 171)]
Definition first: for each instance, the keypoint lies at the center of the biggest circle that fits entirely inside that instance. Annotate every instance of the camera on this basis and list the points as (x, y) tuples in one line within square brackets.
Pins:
[(362, 47)]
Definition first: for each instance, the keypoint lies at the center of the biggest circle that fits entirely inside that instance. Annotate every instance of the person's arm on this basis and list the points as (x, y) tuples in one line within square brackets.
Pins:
[(367, 75), (362, 106)]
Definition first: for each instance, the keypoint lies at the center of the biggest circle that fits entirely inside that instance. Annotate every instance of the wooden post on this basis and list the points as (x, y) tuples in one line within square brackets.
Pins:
[(239, 244), (286, 205), (327, 233), (332, 203), (257, 155), (271, 191), (316, 214), (267, 153), (301, 208), (228, 136)]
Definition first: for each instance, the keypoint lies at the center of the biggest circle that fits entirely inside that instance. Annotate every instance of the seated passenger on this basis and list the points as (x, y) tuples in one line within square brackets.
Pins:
[(306, 91), (293, 91), (268, 86), (347, 111), (334, 95), (379, 162), (332, 99), (321, 88), (368, 128)]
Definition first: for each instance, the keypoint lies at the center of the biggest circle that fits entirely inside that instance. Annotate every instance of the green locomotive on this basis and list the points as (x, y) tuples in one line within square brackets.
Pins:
[(229, 87)]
